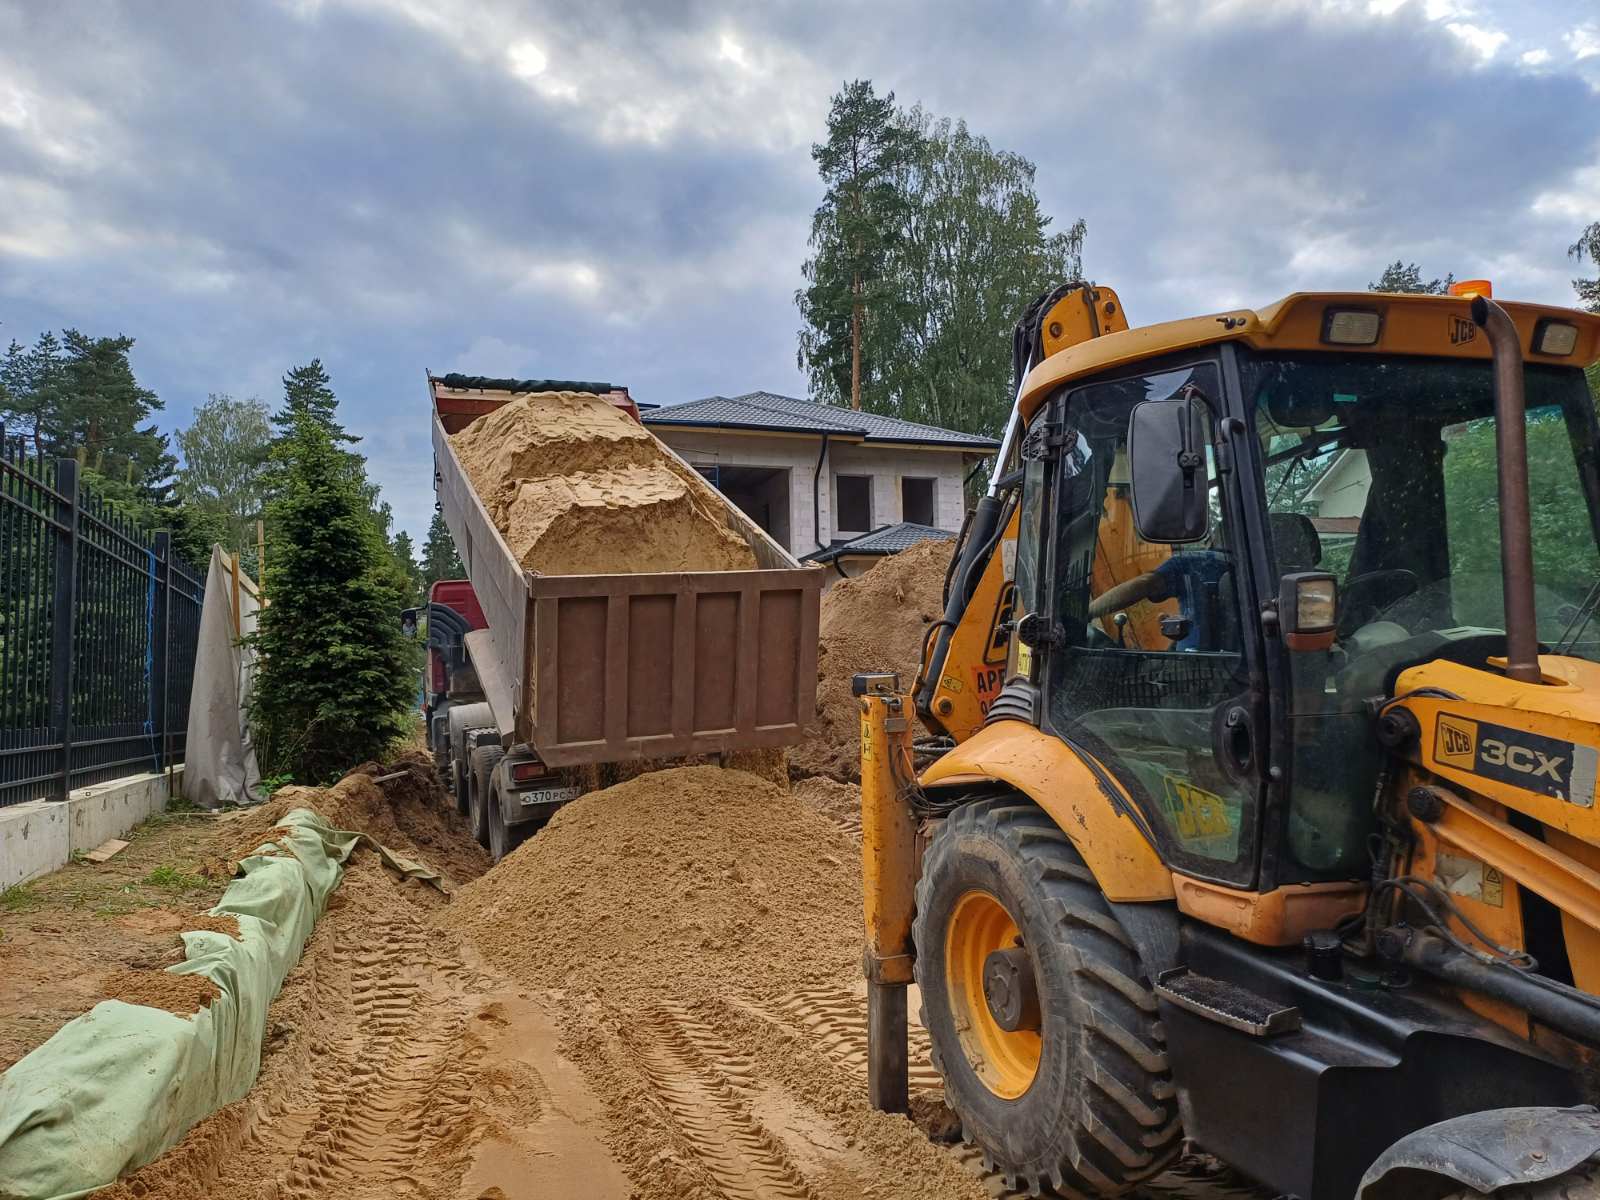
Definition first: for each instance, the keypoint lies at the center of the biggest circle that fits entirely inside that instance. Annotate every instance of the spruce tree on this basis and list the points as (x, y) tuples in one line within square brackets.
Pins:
[(337, 676), (439, 557), (308, 392)]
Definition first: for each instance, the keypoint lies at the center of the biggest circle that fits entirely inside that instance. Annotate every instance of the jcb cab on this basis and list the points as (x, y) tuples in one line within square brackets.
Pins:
[(1280, 834)]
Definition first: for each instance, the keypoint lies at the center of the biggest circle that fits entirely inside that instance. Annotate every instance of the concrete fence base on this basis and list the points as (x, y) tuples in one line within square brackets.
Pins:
[(40, 836)]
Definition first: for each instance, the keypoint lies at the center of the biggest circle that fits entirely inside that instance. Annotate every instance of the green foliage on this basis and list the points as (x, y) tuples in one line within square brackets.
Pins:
[(935, 240), (405, 561), (1587, 247), (173, 879), (308, 394), (861, 214), (439, 557), (76, 397), (1564, 555), (336, 682), (975, 251), (1401, 276), (223, 476), (19, 898)]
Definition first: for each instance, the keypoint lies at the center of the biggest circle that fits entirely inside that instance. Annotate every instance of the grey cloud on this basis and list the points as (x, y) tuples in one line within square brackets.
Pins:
[(344, 180)]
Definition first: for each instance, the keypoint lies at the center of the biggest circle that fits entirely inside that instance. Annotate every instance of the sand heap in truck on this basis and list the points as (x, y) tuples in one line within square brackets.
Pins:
[(577, 487)]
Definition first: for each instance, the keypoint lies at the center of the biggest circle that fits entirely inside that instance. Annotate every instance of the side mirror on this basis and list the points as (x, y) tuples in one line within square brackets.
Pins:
[(1167, 467), (408, 622), (1308, 610)]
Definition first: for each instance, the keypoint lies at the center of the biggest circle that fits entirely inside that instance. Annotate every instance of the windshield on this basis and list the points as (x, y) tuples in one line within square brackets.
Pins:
[(1383, 472)]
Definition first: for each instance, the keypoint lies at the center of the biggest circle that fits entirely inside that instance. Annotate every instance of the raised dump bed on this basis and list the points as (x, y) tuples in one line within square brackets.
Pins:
[(597, 668)]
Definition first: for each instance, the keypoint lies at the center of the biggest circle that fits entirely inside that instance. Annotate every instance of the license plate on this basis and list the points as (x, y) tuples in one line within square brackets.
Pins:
[(555, 795)]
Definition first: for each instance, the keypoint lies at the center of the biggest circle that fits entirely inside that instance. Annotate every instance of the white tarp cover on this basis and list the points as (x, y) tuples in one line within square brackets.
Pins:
[(220, 760)]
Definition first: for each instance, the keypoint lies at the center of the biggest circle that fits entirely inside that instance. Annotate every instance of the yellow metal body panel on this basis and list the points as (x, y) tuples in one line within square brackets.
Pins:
[(1421, 325), (1041, 767), (1082, 314), (888, 836), (975, 663), (1566, 708)]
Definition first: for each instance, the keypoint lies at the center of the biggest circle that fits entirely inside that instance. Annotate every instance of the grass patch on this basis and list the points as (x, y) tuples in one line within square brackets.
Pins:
[(19, 898), (173, 879)]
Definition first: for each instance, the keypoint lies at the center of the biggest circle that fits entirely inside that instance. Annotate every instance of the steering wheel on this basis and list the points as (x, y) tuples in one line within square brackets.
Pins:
[(1364, 597)]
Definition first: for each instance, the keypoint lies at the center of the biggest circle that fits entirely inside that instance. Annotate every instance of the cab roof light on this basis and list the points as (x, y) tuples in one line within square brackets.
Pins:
[(1469, 288), (1351, 326), (1556, 338)]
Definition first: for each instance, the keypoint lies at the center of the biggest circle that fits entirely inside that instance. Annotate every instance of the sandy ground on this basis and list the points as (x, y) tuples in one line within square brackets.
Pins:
[(657, 997)]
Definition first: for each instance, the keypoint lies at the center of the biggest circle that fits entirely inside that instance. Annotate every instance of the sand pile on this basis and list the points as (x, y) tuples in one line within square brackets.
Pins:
[(697, 880), (577, 487), (410, 815), (874, 622)]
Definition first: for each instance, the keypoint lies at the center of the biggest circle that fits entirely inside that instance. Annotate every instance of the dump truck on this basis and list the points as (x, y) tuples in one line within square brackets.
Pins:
[(1264, 723), (579, 671)]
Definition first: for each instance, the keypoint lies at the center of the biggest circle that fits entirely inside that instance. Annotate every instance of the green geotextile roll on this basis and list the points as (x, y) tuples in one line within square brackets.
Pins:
[(119, 1085)]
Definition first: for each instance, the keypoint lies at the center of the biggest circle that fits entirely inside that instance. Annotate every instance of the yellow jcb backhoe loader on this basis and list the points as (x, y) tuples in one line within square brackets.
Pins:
[(1265, 710)]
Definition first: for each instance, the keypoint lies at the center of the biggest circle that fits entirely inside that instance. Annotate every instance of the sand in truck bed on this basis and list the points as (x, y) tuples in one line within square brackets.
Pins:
[(577, 487)]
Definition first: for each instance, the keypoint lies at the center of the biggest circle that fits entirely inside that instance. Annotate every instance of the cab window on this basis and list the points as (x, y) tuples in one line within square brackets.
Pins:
[(1151, 659)]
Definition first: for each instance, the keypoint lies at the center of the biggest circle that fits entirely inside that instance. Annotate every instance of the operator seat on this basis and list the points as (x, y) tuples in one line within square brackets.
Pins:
[(1294, 541)]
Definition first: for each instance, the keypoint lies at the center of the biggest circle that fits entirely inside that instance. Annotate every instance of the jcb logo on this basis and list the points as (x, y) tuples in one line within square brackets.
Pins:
[(1462, 331), (1522, 758), (1457, 742), (1519, 758)]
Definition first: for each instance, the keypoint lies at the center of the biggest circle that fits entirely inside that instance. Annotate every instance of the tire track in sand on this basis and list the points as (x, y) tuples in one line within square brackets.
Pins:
[(836, 1020), (703, 1085), (393, 1087)]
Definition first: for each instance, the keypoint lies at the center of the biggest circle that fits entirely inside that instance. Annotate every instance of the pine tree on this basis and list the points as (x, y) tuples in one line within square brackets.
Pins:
[(1400, 276), (337, 675), (1587, 246), (439, 557), (308, 392), (405, 561), (851, 233)]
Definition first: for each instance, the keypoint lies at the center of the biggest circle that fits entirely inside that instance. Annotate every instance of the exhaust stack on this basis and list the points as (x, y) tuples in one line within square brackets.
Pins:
[(1511, 454)]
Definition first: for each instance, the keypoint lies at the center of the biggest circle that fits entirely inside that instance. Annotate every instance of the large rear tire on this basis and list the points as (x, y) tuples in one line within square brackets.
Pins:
[(503, 837), (484, 760), (1075, 1096)]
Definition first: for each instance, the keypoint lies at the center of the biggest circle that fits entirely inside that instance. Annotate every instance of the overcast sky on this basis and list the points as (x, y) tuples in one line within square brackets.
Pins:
[(623, 191)]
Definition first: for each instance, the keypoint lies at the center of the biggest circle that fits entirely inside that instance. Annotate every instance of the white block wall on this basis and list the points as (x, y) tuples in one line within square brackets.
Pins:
[(798, 455)]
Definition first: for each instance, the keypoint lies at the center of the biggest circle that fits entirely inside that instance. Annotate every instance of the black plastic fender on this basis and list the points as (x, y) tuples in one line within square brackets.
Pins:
[(1485, 1151)]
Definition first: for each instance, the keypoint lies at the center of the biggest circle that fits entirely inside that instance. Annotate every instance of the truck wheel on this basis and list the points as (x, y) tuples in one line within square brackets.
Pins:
[(1042, 1023), (503, 838), (461, 777), (484, 760)]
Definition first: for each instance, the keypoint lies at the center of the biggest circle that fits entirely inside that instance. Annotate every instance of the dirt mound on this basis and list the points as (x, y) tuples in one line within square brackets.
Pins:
[(410, 814), (577, 487), (698, 878), (181, 994), (839, 802), (874, 622)]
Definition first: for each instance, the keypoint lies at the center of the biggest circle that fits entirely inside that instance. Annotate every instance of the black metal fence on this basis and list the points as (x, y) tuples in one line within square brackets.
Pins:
[(98, 625)]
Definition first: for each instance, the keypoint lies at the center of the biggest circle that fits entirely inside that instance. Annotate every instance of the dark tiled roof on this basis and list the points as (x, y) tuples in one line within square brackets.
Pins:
[(887, 539), (768, 410)]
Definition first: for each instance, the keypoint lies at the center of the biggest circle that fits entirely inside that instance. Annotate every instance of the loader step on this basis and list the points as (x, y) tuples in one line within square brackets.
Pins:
[(1226, 1003)]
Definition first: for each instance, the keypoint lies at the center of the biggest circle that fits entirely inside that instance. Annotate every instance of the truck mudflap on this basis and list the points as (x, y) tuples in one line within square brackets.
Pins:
[(1485, 1151)]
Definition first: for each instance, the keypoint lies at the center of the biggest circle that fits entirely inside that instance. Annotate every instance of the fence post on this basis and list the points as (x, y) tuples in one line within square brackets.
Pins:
[(65, 613), (160, 644)]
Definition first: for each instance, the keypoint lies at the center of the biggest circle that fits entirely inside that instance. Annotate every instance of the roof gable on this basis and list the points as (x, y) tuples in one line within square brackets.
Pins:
[(771, 411)]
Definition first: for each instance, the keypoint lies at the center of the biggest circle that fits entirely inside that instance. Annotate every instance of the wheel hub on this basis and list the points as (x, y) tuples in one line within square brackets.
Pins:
[(1008, 989)]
